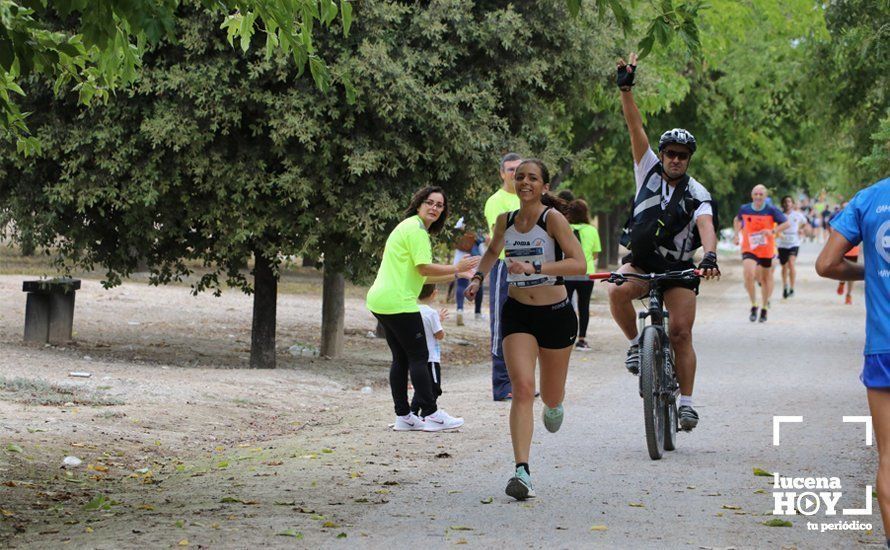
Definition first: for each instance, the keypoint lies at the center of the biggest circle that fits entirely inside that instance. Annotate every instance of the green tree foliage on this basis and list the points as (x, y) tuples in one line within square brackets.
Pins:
[(850, 88), (219, 157), (741, 98), (97, 45)]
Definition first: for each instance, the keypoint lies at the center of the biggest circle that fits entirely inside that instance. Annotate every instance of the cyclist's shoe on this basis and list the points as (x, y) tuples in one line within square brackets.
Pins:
[(553, 418), (763, 315), (520, 485), (688, 418), (840, 288), (753, 316), (632, 362)]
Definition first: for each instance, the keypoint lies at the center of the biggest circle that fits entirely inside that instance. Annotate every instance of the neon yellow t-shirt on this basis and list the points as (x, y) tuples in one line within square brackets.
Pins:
[(398, 282), (590, 243), (500, 202)]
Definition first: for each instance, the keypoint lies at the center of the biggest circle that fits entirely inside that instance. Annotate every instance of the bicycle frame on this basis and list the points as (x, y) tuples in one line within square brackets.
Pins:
[(659, 386)]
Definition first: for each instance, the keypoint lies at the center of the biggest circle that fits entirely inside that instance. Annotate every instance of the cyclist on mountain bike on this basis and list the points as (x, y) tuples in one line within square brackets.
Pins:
[(663, 233)]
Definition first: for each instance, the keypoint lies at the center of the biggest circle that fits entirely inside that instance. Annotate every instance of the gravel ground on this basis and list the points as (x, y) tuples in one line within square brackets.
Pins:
[(199, 453)]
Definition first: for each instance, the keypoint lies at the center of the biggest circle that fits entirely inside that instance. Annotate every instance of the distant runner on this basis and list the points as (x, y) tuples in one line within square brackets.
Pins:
[(789, 244), (756, 226)]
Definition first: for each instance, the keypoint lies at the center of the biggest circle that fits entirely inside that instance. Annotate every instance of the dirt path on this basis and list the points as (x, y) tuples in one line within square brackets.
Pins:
[(210, 456)]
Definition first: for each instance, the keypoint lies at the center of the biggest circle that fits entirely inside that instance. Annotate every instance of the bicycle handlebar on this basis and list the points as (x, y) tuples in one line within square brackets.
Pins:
[(615, 277)]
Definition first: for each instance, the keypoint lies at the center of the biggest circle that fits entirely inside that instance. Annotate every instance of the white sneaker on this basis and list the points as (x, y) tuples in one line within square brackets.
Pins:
[(409, 423), (480, 317), (441, 420)]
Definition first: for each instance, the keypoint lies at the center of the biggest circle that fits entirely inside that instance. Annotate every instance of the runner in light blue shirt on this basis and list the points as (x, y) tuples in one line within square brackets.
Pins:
[(866, 220)]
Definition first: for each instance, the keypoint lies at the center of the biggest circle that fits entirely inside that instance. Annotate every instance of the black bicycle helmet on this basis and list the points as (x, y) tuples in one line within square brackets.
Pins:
[(678, 136)]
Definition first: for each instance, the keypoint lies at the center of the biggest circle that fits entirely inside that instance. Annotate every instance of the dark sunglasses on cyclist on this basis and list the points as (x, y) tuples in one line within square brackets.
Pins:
[(671, 154)]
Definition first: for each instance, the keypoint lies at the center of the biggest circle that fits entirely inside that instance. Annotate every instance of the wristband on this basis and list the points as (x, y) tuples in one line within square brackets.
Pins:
[(478, 275)]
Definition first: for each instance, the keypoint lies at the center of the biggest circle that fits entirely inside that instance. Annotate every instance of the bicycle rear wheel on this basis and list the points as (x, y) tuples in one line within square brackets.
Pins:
[(653, 406)]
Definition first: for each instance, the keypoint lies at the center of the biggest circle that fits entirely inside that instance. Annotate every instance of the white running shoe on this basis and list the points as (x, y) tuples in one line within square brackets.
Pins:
[(441, 420), (408, 423)]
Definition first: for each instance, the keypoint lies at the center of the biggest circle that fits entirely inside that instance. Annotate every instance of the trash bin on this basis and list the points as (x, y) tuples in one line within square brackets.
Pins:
[(49, 311)]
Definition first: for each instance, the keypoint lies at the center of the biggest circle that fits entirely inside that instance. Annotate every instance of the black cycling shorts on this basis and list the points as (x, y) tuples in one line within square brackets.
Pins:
[(762, 262), (785, 253), (692, 284), (554, 326)]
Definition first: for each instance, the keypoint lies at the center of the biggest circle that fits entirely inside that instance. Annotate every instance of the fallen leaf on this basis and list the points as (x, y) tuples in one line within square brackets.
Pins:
[(290, 533), (599, 528), (460, 528), (636, 505), (330, 525), (759, 492), (13, 448), (327, 451), (487, 500), (342, 536), (285, 503), (6, 513), (88, 529), (776, 522), (443, 455), (184, 542), (273, 463), (731, 507), (763, 473), (147, 507)]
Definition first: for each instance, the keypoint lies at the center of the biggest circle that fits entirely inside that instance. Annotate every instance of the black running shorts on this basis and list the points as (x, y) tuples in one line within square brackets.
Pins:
[(785, 253), (762, 262), (554, 326)]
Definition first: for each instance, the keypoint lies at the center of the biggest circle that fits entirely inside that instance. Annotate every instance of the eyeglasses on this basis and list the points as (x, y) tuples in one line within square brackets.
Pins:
[(433, 204), (671, 154)]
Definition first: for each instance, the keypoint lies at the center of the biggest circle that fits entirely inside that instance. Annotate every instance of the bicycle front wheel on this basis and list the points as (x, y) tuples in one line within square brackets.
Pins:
[(651, 366)]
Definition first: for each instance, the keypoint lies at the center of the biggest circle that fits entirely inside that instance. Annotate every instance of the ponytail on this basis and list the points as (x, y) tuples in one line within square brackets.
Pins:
[(555, 202)]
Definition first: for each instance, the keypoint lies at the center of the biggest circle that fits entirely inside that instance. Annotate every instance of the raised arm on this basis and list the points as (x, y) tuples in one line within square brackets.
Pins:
[(638, 141)]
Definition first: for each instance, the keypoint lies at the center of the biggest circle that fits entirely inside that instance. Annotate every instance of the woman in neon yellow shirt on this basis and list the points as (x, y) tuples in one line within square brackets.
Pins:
[(578, 216), (407, 265)]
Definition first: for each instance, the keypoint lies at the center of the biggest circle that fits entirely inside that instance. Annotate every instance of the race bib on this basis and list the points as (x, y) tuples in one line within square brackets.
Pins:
[(757, 239)]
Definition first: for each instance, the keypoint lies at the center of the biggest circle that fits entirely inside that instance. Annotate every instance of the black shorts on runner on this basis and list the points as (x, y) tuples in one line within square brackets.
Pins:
[(785, 253), (762, 262), (554, 326)]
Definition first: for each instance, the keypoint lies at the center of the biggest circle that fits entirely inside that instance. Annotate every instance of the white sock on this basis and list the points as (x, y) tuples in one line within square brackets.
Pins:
[(635, 340), (685, 400)]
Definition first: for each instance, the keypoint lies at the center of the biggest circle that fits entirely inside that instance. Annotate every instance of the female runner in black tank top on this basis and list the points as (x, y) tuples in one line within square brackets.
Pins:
[(538, 321)]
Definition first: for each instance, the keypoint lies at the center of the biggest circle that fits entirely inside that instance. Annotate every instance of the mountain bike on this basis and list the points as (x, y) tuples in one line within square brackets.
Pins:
[(659, 387)]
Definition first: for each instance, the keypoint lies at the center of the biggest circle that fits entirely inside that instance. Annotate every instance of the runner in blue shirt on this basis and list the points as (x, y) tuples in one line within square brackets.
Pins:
[(866, 220)]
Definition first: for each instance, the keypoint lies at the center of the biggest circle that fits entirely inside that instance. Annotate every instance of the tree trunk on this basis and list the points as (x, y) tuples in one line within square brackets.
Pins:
[(265, 297), (333, 312), (604, 228), (616, 224)]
